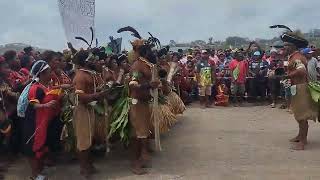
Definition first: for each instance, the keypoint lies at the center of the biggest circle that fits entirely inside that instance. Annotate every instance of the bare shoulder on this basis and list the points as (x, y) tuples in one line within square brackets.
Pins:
[(82, 76)]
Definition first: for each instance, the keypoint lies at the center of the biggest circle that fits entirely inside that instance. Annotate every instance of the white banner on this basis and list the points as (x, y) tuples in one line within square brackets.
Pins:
[(77, 18)]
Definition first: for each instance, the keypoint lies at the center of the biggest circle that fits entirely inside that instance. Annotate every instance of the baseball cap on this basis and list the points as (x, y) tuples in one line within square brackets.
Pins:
[(307, 51), (204, 51), (257, 53)]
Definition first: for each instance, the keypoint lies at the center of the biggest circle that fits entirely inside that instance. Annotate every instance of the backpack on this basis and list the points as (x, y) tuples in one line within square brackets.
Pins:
[(23, 101)]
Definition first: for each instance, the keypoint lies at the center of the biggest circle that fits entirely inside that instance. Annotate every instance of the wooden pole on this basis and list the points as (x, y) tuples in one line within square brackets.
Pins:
[(155, 109)]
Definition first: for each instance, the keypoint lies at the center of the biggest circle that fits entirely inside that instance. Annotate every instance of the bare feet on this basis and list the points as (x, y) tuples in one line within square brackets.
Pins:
[(273, 105), (295, 139), (85, 173), (299, 146), (137, 168), (90, 170), (209, 106)]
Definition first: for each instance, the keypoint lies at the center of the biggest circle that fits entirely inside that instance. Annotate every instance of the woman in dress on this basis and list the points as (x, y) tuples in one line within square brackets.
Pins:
[(39, 113)]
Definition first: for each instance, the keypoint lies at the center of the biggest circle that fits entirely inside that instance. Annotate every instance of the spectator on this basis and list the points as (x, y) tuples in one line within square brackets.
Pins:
[(258, 70), (273, 54), (239, 71), (205, 78), (312, 64), (191, 79), (28, 51), (275, 73), (26, 64), (222, 63), (213, 57), (17, 81), (197, 56)]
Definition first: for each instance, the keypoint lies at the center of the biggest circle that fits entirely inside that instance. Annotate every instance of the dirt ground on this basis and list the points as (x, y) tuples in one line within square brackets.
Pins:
[(234, 143)]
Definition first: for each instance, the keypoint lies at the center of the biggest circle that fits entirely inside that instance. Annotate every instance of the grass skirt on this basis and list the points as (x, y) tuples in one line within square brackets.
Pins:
[(166, 117), (175, 103)]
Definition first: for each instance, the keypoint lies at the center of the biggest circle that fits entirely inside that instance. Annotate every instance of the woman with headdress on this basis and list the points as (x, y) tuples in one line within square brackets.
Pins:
[(40, 111), (302, 106)]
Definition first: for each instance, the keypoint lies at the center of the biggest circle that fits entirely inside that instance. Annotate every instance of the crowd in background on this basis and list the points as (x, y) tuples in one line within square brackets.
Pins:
[(251, 74)]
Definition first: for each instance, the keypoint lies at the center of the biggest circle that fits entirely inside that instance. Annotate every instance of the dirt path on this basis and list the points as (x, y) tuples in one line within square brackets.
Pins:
[(249, 143)]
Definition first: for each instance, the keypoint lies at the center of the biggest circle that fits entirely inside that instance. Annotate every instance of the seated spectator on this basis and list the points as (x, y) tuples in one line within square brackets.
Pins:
[(222, 97)]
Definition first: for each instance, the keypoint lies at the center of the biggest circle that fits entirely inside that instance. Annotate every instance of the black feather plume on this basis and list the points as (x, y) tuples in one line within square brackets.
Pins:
[(92, 36), (130, 29), (281, 26), (82, 39)]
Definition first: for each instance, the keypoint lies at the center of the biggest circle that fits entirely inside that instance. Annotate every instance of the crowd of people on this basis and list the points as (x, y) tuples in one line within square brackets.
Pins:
[(251, 74), (34, 86)]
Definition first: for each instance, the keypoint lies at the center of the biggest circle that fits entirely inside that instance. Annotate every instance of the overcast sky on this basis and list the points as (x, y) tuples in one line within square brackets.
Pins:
[(38, 22)]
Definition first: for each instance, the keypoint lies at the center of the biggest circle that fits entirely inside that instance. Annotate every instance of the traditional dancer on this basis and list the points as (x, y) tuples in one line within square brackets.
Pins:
[(175, 77), (302, 106), (139, 88), (84, 116)]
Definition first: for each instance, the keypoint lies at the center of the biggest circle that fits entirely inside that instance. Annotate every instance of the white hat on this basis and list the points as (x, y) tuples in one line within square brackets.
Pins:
[(204, 51)]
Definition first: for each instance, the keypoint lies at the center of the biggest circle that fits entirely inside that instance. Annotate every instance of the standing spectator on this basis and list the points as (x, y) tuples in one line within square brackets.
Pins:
[(312, 64), (190, 73), (318, 67), (272, 57), (26, 64), (239, 71), (205, 78), (275, 73), (258, 69), (197, 56), (28, 51), (222, 63), (213, 57), (17, 81)]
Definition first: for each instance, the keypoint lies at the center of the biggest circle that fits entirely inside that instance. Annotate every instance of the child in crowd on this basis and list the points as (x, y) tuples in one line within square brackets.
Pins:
[(222, 97)]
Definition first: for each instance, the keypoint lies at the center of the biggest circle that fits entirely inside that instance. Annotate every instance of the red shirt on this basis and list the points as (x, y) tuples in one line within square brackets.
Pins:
[(16, 79), (243, 69), (25, 72)]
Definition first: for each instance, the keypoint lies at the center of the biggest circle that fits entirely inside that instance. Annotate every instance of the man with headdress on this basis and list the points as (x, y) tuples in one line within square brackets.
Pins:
[(302, 105), (141, 82), (140, 112), (84, 117)]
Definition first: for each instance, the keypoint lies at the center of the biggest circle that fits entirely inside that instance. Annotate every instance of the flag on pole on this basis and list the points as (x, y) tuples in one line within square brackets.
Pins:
[(77, 18)]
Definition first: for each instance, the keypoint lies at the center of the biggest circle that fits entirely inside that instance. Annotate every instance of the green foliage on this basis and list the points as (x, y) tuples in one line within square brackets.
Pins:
[(120, 117)]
